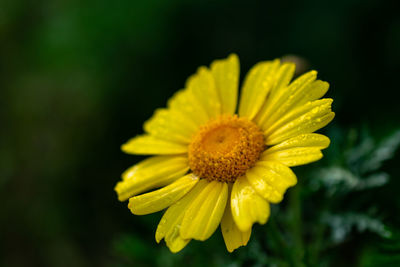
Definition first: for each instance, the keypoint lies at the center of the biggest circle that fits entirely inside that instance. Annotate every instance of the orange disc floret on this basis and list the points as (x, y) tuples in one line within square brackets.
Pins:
[(225, 148)]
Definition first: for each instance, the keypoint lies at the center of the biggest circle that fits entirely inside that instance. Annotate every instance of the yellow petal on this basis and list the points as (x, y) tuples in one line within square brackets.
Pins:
[(149, 145), (299, 150), (205, 213), (202, 86), (308, 122), (303, 90), (170, 126), (304, 140), (226, 76), (174, 241), (151, 173), (186, 104), (247, 206), (162, 198), (170, 224), (315, 90), (286, 98), (283, 77), (271, 179), (233, 237), (322, 104), (256, 87)]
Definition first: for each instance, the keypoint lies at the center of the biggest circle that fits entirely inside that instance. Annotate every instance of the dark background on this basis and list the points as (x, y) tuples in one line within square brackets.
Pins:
[(78, 78)]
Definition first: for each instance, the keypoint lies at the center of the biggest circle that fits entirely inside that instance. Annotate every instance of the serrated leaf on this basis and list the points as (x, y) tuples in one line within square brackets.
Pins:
[(343, 224), (340, 180), (382, 152), (360, 152)]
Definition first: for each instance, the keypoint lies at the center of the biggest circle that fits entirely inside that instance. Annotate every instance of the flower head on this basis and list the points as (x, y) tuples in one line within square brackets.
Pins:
[(211, 166)]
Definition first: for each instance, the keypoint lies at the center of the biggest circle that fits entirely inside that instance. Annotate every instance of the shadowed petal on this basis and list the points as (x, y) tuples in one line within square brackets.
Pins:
[(247, 206), (162, 198), (204, 214)]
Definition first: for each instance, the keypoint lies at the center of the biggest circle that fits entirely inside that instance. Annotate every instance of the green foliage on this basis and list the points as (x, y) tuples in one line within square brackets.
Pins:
[(352, 176), (342, 225), (338, 180), (384, 253)]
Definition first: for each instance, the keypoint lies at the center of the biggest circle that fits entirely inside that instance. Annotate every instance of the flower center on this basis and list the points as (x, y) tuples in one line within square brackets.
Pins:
[(225, 148)]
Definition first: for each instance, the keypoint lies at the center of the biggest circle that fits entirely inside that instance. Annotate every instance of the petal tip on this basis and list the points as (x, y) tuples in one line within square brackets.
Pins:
[(233, 57), (119, 190)]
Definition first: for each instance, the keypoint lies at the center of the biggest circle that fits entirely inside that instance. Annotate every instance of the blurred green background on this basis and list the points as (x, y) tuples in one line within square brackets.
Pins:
[(78, 78)]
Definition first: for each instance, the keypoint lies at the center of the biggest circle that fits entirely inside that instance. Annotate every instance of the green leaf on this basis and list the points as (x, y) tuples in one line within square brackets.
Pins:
[(384, 151), (342, 225), (340, 180)]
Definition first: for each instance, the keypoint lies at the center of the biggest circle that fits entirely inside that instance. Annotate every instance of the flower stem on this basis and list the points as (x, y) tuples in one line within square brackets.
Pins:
[(296, 223), (282, 244)]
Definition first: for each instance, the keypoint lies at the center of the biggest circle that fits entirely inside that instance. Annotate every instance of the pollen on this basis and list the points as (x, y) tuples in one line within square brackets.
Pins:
[(225, 148)]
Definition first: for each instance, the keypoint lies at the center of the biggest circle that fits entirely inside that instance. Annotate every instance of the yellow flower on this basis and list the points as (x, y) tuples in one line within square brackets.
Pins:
[(211, 166)]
